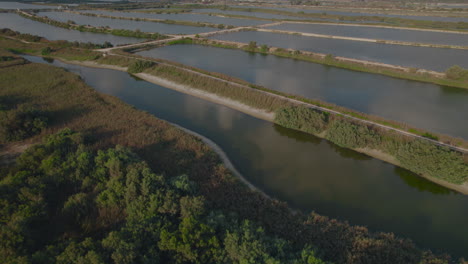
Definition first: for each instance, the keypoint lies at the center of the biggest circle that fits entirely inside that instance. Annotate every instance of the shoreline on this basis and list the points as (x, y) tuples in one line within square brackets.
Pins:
[(463, 189), (378, 41), (378, 26), (203, 95)]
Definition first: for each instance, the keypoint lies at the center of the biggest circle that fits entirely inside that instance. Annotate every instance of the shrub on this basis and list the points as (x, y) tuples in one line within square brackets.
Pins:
[(302, 118), (252, 45), (431, 136), (350, 135), (456, 73), (139, 66), (46, 51), (21, 123), (329, 57)]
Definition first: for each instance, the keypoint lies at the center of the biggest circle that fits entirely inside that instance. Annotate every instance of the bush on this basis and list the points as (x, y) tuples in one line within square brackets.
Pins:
[(431, 136), (426, 158), (139, 66), (302, 118), (456, 73), (252, 46), (46, 51), (61, 193), (346, 134), (21, 123)]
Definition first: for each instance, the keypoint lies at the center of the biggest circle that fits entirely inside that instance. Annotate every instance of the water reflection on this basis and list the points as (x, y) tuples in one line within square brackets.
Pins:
[(24, 25), (378, 33), (420, 183), (296, 135), (409, 56), (428, 106), (143, 26)]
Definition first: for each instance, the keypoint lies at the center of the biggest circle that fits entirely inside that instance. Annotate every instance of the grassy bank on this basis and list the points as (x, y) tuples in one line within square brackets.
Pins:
[(102, 30), (416, 155), (459, 79), (113, 207)]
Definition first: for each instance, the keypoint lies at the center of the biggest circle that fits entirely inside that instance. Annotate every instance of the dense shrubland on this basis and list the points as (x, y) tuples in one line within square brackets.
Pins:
[(62, 202), (19, 122), (417, 155), (139, 66), (457, 73), (112, 207)]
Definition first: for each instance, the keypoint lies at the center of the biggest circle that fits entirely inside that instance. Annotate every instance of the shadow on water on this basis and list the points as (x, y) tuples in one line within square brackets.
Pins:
[(136, 78), (348, 153), (298, 136), (453, 90), (421, 184)]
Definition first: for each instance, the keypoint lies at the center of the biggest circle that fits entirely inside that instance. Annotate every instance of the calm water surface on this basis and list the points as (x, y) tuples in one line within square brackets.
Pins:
[(258, 15), (432, 107), (378, 33), (24, 25), (344, 13), (307, 172), (17, 5), (125, 24), (183, 17), (419, 57)]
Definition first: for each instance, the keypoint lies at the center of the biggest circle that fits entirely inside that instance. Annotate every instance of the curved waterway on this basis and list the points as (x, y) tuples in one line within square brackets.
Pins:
[(436, 59), (428, 106), (307, 172), (24, 25)]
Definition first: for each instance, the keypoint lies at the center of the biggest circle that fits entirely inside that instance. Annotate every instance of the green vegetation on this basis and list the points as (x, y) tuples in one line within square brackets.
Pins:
[(18, 122), (104, 30), (457, 73), (46, 51), (245, 95), (65, 203), (139, 66), (252, 46), (27, 37), (417, 155), (78, 197)]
